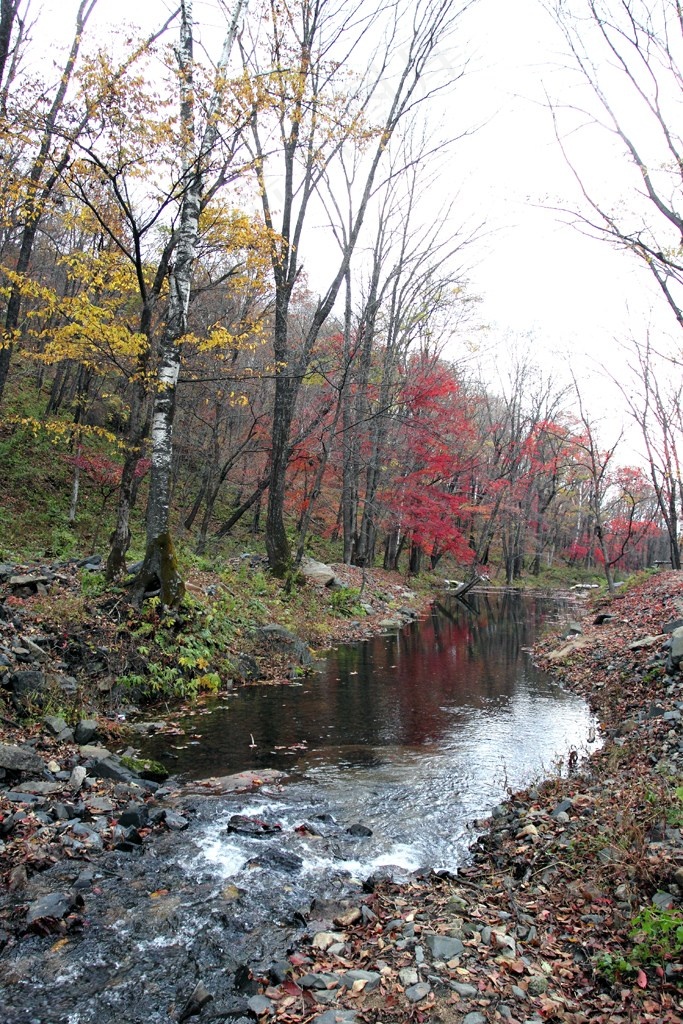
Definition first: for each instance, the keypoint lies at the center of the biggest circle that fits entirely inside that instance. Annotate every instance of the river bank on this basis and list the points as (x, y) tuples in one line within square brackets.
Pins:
[(537, 927), (570, 909)]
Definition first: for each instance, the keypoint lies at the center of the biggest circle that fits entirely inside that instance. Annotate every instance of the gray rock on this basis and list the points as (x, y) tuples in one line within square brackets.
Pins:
[(279, 860), (325, 996), (418, 992), (7, 570), (28, 687), (371, 979), (67, 684), (198, 999), (259, 1006), (443, 947), (54, 724), (474, 1018), (77, 778), (564, 805), (176, 822), (135, 814), (663, 900), (110, 768), (317, 572), (29, 581), (668, 627), (39, 788), (95, 752), (466, 991), (335, 1017), (408, 976), (518, 993), (676, 650), (20, 759), (319, 981), (35, 650), (358, 830), (572, 629), (86, 731), (288, 642), (247, 668), (55, 905), (645, 642)]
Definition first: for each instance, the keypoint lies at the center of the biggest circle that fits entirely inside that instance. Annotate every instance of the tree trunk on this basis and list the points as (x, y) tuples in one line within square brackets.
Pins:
[(160, 561)]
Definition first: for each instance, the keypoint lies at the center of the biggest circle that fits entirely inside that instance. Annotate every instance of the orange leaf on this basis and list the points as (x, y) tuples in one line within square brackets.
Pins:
[(641, 980)]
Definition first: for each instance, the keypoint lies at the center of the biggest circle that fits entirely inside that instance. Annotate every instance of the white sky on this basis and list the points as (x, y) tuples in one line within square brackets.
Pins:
[(575, 296)]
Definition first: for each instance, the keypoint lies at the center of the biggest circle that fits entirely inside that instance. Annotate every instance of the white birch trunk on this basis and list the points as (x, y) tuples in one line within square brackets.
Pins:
[(160, 570)]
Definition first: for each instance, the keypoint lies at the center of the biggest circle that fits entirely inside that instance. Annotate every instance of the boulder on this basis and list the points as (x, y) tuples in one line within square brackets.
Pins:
[(53, 907), (359, 831), (279, 860), (28, 687), (20, 759), (244, 825), (676, 649), (55, 725), (86, 731), (443, 947), (317, 572), (248, 670), (287, 642)]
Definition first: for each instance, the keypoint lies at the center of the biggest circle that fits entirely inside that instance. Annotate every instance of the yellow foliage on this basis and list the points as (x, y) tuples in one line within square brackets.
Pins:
[(59, 430)]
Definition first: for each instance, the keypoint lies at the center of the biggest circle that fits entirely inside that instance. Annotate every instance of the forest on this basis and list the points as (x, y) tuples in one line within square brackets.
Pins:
[(173, 372)]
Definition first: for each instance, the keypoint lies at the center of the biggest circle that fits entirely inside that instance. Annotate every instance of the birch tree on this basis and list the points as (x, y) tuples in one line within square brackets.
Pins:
[(160, 565)]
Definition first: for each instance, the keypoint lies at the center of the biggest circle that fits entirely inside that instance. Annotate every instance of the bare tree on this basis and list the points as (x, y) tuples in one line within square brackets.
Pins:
[(656, 406), (629, 55)]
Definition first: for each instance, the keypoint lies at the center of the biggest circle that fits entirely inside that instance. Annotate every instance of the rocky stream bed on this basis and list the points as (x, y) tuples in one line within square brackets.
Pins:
[(566, 910)]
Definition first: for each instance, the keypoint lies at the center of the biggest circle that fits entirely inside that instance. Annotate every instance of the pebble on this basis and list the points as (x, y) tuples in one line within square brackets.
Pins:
[(408, 976), (260, 1005), (474, 1018), (418, 992), (335, 1017), (466, 991)]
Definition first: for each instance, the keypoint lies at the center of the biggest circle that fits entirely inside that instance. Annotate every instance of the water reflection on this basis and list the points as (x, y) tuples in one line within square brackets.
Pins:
[(459, 680)]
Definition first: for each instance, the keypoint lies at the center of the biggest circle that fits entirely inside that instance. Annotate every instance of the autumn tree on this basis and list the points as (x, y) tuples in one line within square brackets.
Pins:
[(307, 108), (36, 170)]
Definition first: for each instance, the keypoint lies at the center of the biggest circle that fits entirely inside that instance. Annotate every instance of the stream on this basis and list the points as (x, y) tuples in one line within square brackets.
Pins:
[(392, 749)]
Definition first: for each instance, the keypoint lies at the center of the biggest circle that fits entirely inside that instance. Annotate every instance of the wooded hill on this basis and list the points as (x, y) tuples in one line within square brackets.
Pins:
[(163, 356)]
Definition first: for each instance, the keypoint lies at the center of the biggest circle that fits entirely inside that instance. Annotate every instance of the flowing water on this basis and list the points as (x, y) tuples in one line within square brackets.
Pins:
[(412, 736)]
